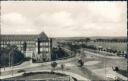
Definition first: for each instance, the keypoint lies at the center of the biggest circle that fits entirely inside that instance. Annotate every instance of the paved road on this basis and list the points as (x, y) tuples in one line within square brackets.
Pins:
[(26, 63)]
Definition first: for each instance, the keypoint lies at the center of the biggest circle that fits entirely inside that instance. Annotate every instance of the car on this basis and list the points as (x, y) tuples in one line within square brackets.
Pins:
[(111, 77), (126, 56), (21, 70)]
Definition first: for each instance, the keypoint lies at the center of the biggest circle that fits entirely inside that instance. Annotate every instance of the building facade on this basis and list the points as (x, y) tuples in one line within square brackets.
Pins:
[(38, 47)]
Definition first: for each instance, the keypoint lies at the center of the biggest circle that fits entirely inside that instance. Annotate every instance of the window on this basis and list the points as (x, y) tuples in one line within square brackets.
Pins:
[(36, 44), (46, 43), (41, 44), (47, 49), (41, 49)]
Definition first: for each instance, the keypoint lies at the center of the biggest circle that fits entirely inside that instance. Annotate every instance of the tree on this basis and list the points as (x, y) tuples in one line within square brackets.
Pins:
[(115, 68), (24, 46), (87, 39), (81, 62), (53, 65), (10, 51)]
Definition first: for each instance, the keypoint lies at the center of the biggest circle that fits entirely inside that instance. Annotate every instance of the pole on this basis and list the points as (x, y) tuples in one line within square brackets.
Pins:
[(105, 69), (12, 64), (0, 27), (0, 34), (11, 60)]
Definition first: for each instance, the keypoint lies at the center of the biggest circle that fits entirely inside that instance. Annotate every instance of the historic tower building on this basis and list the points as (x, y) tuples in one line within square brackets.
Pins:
[(38, 47)]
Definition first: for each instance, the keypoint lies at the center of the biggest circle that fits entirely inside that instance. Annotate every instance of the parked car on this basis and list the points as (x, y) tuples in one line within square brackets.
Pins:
[(126, 56), (21, 70)]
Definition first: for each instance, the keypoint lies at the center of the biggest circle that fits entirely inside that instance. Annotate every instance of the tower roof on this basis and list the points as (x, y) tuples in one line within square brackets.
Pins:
[(42, 36)]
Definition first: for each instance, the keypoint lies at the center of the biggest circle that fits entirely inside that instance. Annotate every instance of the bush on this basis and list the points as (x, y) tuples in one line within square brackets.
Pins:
[(54, 65), (27, 59), (59, 53)]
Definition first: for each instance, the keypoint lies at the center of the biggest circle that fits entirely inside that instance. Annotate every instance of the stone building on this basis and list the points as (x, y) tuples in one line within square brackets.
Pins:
[(36, 46)]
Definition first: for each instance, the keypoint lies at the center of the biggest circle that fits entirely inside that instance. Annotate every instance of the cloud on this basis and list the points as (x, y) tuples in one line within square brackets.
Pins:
[(56, 24), (58, 19), (17, 23), (65, 19), (111, 11), (13, 18)]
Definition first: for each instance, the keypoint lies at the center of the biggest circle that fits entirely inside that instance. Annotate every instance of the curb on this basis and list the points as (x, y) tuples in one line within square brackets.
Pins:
[(78, 77)]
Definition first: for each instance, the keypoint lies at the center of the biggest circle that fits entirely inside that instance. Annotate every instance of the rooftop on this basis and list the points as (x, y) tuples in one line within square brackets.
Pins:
[(14, 37)]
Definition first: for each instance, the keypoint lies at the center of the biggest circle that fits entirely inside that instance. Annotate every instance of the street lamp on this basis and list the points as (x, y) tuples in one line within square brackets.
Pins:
[(105, 65), (11, 59), (0, 39)]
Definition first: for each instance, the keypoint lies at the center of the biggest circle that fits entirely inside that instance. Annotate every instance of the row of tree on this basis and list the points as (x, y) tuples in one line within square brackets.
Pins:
[(10, 56), (99, 40), (110, 40), (75, 48)]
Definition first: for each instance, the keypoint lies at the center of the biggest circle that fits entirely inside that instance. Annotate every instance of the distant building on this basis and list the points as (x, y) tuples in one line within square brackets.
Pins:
[(37, 47)]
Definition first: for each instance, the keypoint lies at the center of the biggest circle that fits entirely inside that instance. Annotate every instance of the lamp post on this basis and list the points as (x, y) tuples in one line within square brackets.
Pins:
[(11, 59), (12, 64), (0, 35), (4, 62), (105, 65)]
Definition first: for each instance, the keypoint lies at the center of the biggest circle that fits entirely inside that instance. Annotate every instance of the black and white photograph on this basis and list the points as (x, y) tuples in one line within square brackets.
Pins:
[(63, 41)]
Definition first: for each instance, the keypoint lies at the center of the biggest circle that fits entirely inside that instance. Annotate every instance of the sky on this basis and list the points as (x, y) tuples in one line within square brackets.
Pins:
[(64, 19)]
